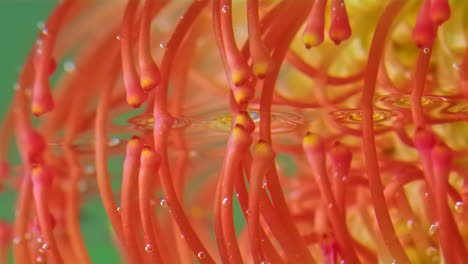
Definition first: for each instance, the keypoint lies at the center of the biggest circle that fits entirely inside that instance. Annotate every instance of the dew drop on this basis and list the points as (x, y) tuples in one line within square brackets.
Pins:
[(16, 240), (265, 262), (459, 207), (119, 209), (114, 142), (225, 9), (45, 246), (182, 236), (432, 251), (410, 223), (163, 45), (40, 25), (163, 203), (40, 259), (265, 185), (45, 31), (40, 240), (394, 261), (433, 228), (89, 169), (69, 66), (82, 186), (149, 248), (226, 201), (456, 66), (426, 50), (201, 255), (118, 37)]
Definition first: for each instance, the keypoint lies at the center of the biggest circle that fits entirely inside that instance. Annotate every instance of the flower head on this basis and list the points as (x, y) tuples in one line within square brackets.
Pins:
[(251, 131)]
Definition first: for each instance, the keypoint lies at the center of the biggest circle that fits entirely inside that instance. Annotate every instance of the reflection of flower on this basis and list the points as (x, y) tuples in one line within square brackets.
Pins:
[(348, 150)]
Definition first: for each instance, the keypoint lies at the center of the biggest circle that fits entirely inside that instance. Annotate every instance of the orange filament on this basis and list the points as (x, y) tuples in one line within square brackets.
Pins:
[(42, 182), (313, 32), (129, 204), (260, 57), (239, 70), (42, 101), (149, 71), (149, 164), (424, 31), (134, 92), (340, 30)]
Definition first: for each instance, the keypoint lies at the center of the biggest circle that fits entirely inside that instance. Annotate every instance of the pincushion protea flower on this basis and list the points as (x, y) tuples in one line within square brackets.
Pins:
[(334, 131)]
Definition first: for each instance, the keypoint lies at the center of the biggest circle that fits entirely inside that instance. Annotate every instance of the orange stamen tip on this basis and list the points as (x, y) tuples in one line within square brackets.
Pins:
[(39, 109), (260, 69), (239, 78), (147, 84), (310, 40), (244, 120), (40, 175), (134, 101), (263, 149), (339, 35), (239, 132), (134, 141), (242, 95), (310, 140), (147, 152)]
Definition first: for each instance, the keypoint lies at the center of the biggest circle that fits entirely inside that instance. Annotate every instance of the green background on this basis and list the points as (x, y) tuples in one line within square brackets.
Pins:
[(18, 27)]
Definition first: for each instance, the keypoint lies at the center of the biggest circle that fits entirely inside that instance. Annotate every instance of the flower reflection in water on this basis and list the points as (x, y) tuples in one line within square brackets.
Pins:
[(334, 133)]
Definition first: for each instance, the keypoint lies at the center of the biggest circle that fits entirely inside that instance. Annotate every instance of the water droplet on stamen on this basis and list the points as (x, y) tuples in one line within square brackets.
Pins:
[(118, 37), (149, 248), (265, 185), (39, 259), (45, 246), (16, 240), (432, 251), (119, 209), (40, 25), (163, 45), (459, 207), (226, 201), (163, 203), (82, 186), (182, 236), (89, 169), (201, 255), (225, 9), (426, 50), (40, 240), (114, 142), (45, 31), (69, 66), (433, 228)]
